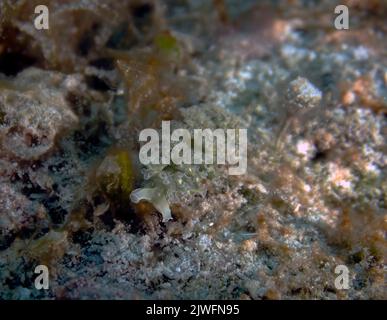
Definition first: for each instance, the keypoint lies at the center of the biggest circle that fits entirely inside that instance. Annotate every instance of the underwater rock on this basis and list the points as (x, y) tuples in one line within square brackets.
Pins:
[(73, 194), (16, 212), (302, 94), (35, 114)]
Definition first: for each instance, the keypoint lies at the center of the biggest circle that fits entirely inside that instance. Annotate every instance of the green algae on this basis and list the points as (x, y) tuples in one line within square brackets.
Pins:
[(166, 43)]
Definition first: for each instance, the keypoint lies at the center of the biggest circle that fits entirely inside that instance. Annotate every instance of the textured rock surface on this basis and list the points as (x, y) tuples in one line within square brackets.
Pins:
[(34, 114), (73, 100)]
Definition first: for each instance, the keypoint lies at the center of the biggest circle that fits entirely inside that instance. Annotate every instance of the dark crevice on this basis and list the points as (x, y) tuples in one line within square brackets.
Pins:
[(11, 63), (86, 43), (142, 16), (6, 241), (98, 84), (82, 237), (103, 63)]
